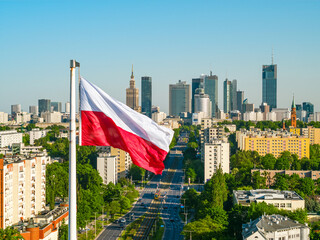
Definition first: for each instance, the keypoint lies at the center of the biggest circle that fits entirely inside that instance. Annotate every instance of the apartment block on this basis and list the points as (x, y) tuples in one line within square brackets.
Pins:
[(123, 162), (3, 117), (287, 200), (51, 117), (275, 227), (107, 168), (215, 154), (7, 138), (36, 133), (22, 188), (273, 142)]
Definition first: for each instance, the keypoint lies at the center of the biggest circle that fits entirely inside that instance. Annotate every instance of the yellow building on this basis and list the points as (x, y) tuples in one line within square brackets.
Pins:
[(275, 145), (123, 161), (314, 135), (295, 130)]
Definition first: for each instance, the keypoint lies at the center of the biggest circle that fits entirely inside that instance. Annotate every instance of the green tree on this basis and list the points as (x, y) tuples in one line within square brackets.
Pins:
[(191, 198), (191, 174), (258, 182), (268, 161), (26, 139), (136, 172), (114, 207), (63, 231), (124, 203), (30, 126), (10, 233)]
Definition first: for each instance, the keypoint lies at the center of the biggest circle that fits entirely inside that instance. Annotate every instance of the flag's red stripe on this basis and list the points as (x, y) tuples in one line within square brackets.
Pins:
[(100, 130)]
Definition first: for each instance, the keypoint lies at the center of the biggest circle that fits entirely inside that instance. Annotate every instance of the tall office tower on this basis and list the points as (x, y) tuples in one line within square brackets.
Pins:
[(227, 96), (15, 109), (308, 107), (211, 88), (293, 114), (146, 95), (57, 106), (123, 163), (132, 94), (234, 95), (67, 107), (179, 98), (195, 85), (33, 110), (240, 98), (269, 85), (44, 105), (202, 102)]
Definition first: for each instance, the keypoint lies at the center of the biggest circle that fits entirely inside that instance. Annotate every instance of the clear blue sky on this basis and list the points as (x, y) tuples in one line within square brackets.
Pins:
[(167, 40)]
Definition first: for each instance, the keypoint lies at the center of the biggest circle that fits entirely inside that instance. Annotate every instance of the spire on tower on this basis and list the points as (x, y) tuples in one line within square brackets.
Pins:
[(293, 103), (132, 72)]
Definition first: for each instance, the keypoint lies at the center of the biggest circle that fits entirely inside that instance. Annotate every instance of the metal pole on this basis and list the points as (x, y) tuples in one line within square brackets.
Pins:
[(72, 157), (95, 224)]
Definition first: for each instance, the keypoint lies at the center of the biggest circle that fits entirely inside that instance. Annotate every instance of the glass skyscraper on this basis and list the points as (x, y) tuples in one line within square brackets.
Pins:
[(227, 96), (195, 85), (269, 85), (211, 88), (179, 98), (44, 105), (146, 95)]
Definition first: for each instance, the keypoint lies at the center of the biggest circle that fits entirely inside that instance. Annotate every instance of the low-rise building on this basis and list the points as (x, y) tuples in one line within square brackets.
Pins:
[(7, 138), (36, 133), (287, 200), (51, 117), (275, 227)]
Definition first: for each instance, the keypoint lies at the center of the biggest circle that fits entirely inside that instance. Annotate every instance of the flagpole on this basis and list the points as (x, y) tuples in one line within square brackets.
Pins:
[(72, 156)]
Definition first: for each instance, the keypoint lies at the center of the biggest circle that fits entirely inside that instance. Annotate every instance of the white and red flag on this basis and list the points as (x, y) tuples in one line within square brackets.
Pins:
[(108, 122)]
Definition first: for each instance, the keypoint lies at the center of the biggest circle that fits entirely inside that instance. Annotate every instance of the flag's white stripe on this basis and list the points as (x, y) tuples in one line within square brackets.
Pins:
[(94, 99)]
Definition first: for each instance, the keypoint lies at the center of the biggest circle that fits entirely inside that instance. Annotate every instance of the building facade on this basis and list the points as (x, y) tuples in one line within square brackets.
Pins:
[(146, 95), (211, 88), (107, 168), (7, 138), (179, 98), (234, 95), (123, 163), (57, 106), (227, 96), (240, 98), (196, 82), (3, 117), (44, 105), (269, 85), (34, 110), (132, 94), (202, 103)]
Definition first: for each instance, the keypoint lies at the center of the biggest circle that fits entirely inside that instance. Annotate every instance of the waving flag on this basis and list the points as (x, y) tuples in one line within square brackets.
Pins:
[(108, 122)]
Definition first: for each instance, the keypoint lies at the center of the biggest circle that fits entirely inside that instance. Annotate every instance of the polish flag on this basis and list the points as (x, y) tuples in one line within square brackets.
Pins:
[(108, 122)]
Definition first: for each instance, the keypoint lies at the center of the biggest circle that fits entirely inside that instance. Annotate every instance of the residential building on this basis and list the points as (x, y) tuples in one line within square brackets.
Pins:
[(240, 99), (270, 174), (234, 103), (3, 117), (158, 117), (57, 106), (269, 85), (202, 102), (23, 117), (36, 133), (282, 113), (215, 155), (317, 116), (287, 200), (107, 168), (313, 135), (132, 94), (265, 109), (34, 110), (275, 227), (123, 163), (44, 105), (274, 142), (227, 96), (7, 138), (51, 117), (211, 133), (195, 85), (24, 188), (211, 88), (146, 95), (179, 98)]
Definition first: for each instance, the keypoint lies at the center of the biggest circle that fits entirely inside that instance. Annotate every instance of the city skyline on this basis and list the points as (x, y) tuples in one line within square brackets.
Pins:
[(37, 46)]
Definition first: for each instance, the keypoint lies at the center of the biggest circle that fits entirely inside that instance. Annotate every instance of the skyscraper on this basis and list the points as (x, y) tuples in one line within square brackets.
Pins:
[(33, 110), (240, 98), (227, 96), (308, 107), (132, 94), (211, 88), (195, 85), (146, 95), (179, 98), (234, 95), (56, 106), (16, 108), (269, 85), (202, 102), (44, 105)]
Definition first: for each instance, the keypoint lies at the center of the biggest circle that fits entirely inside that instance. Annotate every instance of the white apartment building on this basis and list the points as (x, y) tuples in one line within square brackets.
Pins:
[(23, 117), (287, 200), (3, 117), (107, 168), (158, 117), (282, 113), (215, 154), (36, 133), (51, 117), (24, 188), (275, 227), (9, 137)]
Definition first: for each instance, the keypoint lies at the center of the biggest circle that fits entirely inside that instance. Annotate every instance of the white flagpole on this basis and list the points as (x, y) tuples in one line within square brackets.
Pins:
[(72, 156)]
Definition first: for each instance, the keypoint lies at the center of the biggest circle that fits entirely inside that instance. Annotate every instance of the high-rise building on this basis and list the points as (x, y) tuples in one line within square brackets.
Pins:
[(269, 85), (123, 163), (202, 103), (179, 98), (57, 106), (16, 108), (211, 88), (146, 95), (234, 95), (240, 98), (34, 110), (227, 96), (308, 107), (67, 107), (107, 168), (195, 85), (132, 94), (44, 105)]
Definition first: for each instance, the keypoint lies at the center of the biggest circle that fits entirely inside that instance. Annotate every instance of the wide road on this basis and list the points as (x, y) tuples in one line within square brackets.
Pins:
[(113, 231)]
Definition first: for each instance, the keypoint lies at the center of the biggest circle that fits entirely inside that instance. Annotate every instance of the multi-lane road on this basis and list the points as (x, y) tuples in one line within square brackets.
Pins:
[(170, 194)]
